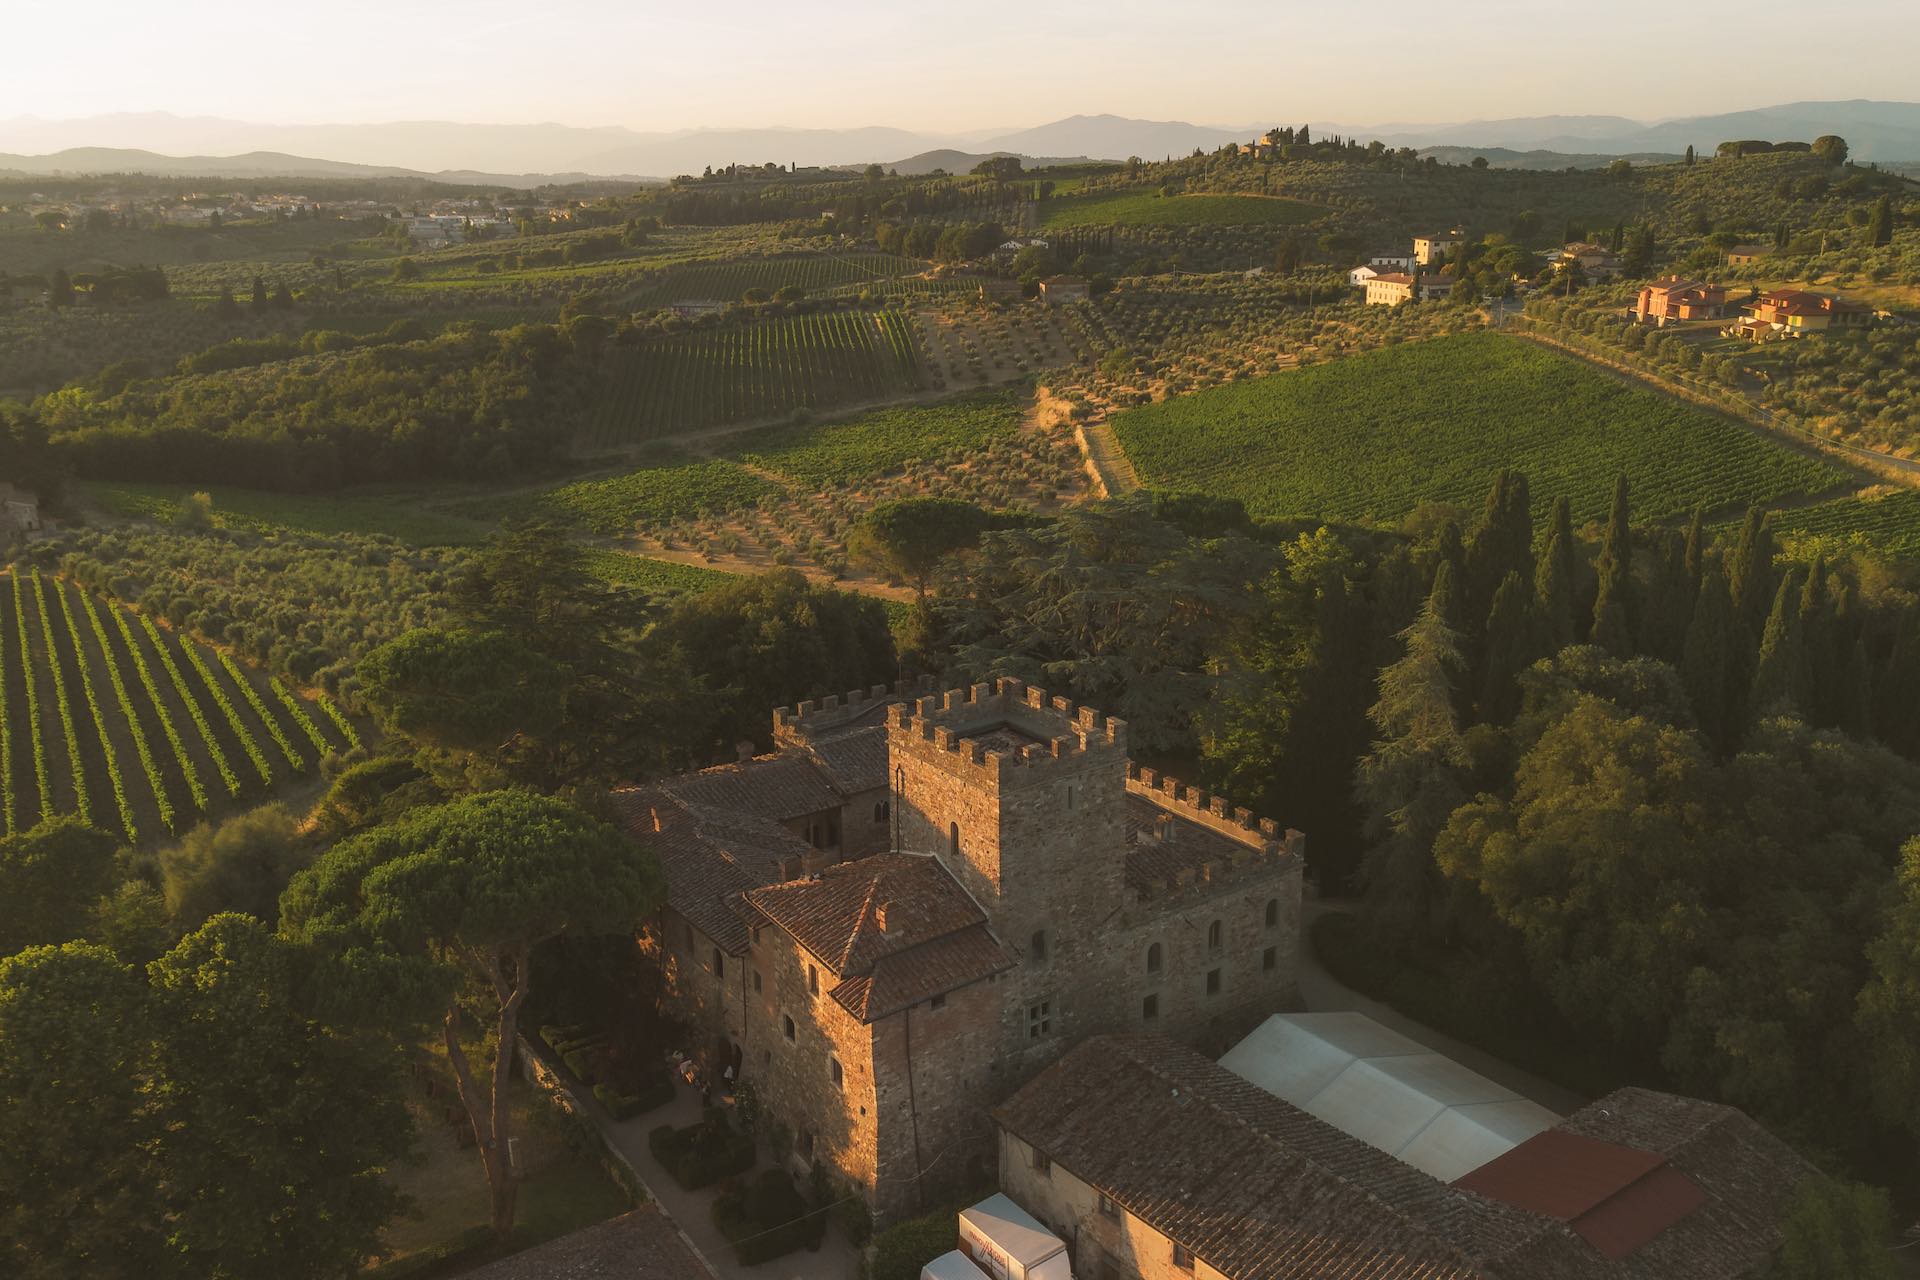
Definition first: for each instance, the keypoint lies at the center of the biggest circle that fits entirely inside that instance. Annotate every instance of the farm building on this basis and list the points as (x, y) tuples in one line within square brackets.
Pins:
[(1674, 299), (1359, 276), (19, 510), (694, 308), (1162, 1165), (915, 904), (1745, 255), (1063, 290), (1594, 260), (1797, 312), (1389, 289), (1428, 248)]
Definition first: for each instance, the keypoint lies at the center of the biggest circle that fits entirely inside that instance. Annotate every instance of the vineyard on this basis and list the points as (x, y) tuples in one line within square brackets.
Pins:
[(813, 273), (1150, 209), (106, 715), (767, 369), (1887, 521), (1374, 436)]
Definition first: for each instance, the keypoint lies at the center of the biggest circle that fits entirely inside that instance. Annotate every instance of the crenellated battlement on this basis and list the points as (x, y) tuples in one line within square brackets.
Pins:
[(794, 724), (1004, 730), (1262, 836)]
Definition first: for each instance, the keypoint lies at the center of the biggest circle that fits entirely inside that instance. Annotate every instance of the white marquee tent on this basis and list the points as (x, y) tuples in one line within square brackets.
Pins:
[(1386, 1090)]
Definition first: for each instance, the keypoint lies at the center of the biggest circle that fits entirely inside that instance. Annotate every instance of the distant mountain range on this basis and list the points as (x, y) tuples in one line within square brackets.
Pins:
[(259, 164), (488, 153)]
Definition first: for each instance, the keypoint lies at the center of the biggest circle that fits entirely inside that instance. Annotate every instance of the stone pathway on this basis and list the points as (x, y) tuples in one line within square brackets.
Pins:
[(693, 1210)]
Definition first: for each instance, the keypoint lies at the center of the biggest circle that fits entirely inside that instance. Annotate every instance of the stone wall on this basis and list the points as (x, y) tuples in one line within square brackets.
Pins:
[(1104, 1246), (690, 988)]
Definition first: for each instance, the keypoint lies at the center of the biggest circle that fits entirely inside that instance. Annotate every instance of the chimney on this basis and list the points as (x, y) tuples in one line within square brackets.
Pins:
[(1163, 828), (884, 917), (743, 751), (789, 868)]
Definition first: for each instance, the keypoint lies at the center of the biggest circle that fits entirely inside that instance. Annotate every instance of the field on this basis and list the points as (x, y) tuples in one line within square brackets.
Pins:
[(813, 273), (1374, 436), (395, 513), (737, 373), (1148, 209), (1888, 521), (105, 715), (885, 440)]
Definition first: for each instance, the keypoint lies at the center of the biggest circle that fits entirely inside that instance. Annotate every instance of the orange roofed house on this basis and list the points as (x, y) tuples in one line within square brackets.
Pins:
[(1675, 299), (914, 905), (1797, 312)]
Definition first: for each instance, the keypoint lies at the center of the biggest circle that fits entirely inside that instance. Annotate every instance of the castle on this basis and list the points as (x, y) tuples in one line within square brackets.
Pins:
[(916, 903)]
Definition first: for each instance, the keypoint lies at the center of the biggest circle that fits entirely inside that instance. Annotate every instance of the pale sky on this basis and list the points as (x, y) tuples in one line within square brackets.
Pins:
[(945, 67)]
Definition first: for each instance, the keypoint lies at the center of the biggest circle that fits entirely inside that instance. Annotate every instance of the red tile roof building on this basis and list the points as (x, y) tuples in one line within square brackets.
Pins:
[(1674, 299), (997, 882)]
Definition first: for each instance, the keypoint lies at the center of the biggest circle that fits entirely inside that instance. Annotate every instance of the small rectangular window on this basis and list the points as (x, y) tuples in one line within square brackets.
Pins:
[(839, 1076), (1270, 959), (813, 980), (938, 1002), (1150, 1008), (1213, 982), (756, 982), (1182, 1259), (1107, 1207), (786, 1025), (1039, 1019), (1042, 1164), (719, 964)]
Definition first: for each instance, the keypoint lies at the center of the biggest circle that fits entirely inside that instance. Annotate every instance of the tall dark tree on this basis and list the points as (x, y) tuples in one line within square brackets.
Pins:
[(1750, 573), (1613, 607), (1502, 543), (1554, 580), (259, 293), (1880, 222), (60, 289), (1706, 664), (1780, 674), (1513, 643)]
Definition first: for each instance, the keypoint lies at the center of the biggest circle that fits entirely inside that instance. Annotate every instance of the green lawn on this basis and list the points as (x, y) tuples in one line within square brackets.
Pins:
[(1376, 435), (1147, 209), (672, 485), (871, 444)]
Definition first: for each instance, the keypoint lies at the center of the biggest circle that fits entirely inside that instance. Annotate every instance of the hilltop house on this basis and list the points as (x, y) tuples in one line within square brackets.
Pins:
[(1794, 313), (1427, 248), (1597, 262), (1675, 299), (1745, 255), (915, 904), (1389, 289), (1158, 1164), (1359, 276)]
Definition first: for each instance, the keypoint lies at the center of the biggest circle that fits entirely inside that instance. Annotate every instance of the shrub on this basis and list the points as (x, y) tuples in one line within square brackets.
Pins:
[(766, 1218), (701, 1154), (904, 1248)]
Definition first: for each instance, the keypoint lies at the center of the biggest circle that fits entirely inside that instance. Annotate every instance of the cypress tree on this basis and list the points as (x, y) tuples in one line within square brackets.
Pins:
[(1553, 580), (1896, 705), (1822, 662), (1612, 608), (1689, 159), (259, 294), (1513, 643), (1853, 694), (1705, 667), (1880, 224), (1750, 574), (1445, 597), (1696, 551), (1779, 677), (1502, 543)]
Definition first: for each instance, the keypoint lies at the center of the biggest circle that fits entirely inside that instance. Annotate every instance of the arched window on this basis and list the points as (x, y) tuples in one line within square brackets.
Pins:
[(1038, 947), (1153, 958), (1273, 912), (1213, 936), (953, 839), (882, 810)]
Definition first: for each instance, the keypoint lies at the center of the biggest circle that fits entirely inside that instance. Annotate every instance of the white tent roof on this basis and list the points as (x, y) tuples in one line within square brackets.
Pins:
[(1386, 1090)]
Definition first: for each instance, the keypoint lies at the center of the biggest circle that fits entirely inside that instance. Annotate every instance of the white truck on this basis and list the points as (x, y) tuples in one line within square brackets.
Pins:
[(1005, 1242)]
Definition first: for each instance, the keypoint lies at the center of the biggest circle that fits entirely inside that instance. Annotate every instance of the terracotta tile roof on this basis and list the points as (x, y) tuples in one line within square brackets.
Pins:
[(854, 759), (904, 978), (777, 786), (853, 913), (1249, 1183), (1153, 860), (1392, 277), (1261, 1190), (640, 1245), (710, 857)]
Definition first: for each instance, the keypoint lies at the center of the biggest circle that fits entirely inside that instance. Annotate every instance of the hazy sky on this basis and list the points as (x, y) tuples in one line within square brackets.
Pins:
[(921, 65)]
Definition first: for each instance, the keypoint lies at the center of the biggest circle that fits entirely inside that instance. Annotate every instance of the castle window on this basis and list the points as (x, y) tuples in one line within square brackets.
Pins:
[(1182, 1259), (1270, 959), (938, 1002), (804, 1145), (1042, 1163), (1213, 982), (1153, 958), (1069, 795), (813, 980), (1037, 948), (719, 964), (839, 1076), (786, 1024), (1107, 1207), (1149, 1008), (1213, 936), (1273, 912), (953, 839), (754, 933), (883, 811), (1039, 1019), (757, 988)]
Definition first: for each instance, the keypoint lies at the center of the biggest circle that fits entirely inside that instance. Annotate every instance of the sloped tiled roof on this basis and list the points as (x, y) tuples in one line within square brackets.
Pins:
[(710, 857), (641, 1244), (1261, 1190), (853, 759), (836, 915), (779, 787), (903, 978), (1153, 861)]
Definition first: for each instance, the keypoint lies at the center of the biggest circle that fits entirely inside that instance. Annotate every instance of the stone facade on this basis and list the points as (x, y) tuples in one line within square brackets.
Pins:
[(1042, 890)]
